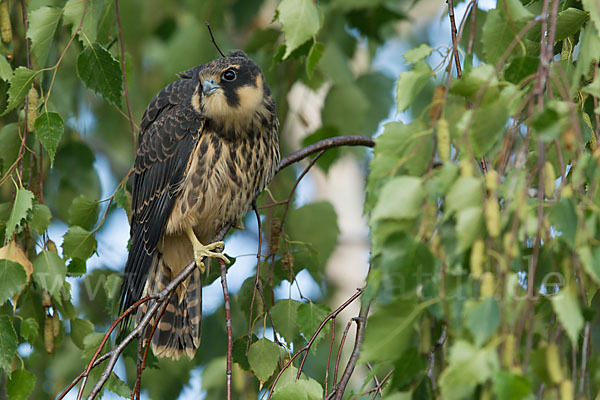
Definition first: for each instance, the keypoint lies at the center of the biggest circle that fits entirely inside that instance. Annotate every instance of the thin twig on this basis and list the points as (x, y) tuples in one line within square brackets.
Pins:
[(454, 38), (339, 354), (361, 323), (375, 379), (105, 339), (213, 38), (25, 130), (473, 28), (257, 276), (312, 339), (328, 143), (125, 90), (431, 368), (330, 316), (228, 325), (308, 167), (329, 354)]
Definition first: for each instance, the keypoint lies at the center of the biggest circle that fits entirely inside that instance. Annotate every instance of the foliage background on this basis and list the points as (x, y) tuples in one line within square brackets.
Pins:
[(481, 192)]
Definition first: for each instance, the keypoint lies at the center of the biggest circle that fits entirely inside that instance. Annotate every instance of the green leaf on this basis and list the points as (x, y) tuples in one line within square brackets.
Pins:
[(40, 218), (117, 386), (83, 212), (467, 368), (567, 309), (482, 318), (498, 33), (42, 25), (514, 10), (400, 198), (285, 318), (49, 271), (310, 317), (11, 143), (347, 5), (22, 205), (417, 54), (239, 351), (484, 126), (564, 219), (593, 8), (390, 330), (590, 261), (478, 77), (410, 84), (301, 389), (509, 386), (20, 384), (73, 12), (570, 21), (6, 71), (590, 46), (521, 68), (263, 357), (29, 330), (402, 149), (465, 192), (91, 343), (80, 328), (78, 243), (8, 343), (405, 262), (300, 228), (314, 55), (469, 224), (300, 21), (408, 368), (345, 108), (123, 198), (19, 86), (375, 87), (12, 279), (334, 64), (101, 72), (49, 128), (593, 88)]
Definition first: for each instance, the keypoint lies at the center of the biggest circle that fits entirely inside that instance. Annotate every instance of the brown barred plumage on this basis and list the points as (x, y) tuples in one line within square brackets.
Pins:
[(208, 145)]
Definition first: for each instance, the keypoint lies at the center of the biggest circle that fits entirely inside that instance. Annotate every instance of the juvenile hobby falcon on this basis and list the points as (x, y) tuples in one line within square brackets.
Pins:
[(208, 145)]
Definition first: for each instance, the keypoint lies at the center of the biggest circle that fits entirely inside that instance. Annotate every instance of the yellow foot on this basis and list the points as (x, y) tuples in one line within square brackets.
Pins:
[(201, 251)]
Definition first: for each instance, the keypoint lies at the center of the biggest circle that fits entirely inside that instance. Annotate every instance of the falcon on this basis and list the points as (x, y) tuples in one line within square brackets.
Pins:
[(208, 145)]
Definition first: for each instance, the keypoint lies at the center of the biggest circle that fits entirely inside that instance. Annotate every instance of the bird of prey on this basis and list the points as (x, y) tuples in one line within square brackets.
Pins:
[(208, 144)]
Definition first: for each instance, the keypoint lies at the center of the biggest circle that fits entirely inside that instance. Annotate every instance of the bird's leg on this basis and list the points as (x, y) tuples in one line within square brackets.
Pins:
[(201, 251)]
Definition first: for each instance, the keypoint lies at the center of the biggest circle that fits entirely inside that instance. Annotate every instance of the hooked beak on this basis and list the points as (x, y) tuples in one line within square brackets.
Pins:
[(209, 86)]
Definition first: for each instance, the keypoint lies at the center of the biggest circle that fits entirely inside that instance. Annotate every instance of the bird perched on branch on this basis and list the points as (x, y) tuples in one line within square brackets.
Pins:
[(208, 145)]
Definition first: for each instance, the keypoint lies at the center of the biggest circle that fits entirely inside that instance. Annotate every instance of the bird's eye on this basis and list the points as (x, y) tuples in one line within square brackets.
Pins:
[(229, 75)]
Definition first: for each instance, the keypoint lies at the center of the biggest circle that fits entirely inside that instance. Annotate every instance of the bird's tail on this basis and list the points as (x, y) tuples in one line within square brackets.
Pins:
[(178, 331)]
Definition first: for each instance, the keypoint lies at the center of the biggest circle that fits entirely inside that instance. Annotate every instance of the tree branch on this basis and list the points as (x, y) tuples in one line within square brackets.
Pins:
[(228, 325), (325, 144), (361, 324)]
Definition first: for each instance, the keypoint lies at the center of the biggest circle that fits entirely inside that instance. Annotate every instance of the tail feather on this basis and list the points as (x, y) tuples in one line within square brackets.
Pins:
[(178, 331)]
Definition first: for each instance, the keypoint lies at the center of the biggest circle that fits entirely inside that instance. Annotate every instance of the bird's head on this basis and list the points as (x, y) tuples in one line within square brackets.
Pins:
[(231, 91)]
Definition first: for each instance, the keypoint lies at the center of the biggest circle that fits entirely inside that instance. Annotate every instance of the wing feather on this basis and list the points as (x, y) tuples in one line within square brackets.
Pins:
[(168, 132)]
